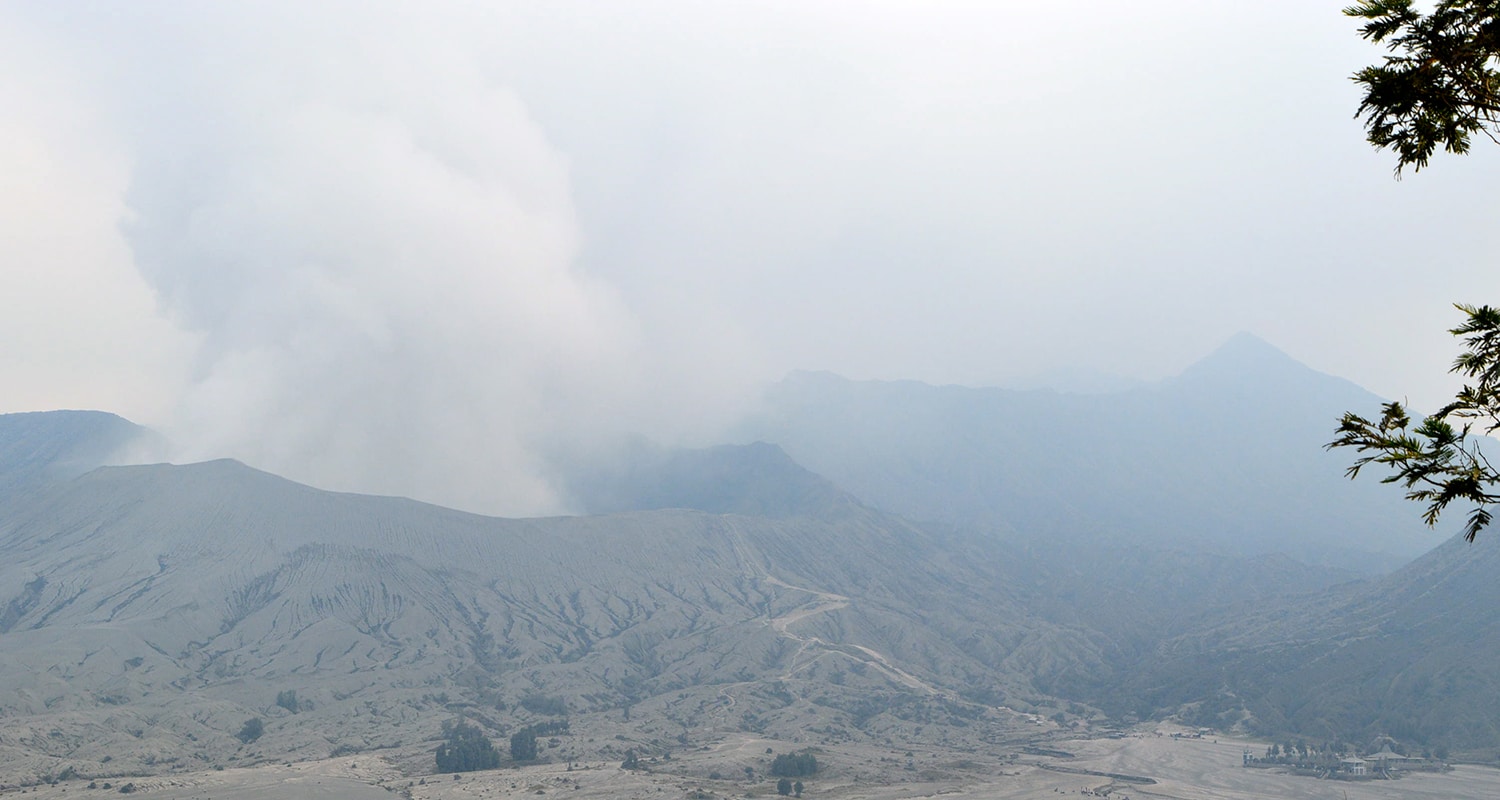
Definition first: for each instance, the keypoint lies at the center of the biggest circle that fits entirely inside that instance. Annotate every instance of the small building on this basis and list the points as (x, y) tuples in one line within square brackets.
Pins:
[(1352, 765), (1387, 759)]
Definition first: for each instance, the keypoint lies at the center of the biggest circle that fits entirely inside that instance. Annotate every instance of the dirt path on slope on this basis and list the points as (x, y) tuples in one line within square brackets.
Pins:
[(820, 603)]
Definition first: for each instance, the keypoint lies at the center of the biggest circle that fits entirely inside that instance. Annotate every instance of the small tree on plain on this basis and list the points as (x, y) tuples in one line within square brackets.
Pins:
[(465, 749), (523, 745), (251, 730), (795, 765)]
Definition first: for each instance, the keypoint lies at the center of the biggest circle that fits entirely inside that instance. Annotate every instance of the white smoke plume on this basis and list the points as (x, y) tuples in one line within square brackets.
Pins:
[(374, 243)]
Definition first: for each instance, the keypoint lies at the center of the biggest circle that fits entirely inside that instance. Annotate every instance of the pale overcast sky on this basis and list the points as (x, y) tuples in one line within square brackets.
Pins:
[(332, 238)]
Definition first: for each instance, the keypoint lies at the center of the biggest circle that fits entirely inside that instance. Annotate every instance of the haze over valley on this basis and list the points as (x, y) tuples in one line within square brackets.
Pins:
[(152, 610), (672, 400)]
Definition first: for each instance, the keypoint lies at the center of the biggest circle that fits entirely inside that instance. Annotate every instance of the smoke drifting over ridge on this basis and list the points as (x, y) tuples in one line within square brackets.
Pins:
[(423, 249), (373, 244)]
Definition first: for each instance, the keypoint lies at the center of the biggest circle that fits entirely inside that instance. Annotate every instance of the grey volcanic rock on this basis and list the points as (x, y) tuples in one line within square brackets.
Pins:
[(155, 608), (146, 612)]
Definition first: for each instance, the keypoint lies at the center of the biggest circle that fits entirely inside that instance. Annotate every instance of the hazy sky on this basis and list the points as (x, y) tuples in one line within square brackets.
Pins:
[(410, 247)]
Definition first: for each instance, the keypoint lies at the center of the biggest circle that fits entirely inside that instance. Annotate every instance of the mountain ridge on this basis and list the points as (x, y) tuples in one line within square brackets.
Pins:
[(37, 446), (1394, 655), (197, 593), (1207, 459), (200, 592)]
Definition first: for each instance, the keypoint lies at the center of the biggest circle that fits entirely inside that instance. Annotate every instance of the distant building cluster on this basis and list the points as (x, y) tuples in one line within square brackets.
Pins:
[(1333, 762)]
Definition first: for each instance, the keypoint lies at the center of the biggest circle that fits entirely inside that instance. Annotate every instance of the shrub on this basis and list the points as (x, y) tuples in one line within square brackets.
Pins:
[(251, 730)]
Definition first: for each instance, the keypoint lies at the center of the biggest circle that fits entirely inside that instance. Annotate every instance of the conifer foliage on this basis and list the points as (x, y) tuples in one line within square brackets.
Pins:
[(465, 748), (1439, 85), (794, 765), (1440, 460), (523, 745)]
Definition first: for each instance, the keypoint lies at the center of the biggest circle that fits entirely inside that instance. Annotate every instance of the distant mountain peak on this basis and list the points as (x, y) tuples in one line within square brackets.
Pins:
[(1246, 346), (58, 444), (1244, 355)]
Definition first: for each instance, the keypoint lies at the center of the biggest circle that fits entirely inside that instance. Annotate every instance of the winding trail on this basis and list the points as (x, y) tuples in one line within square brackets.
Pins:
[(820, 603)]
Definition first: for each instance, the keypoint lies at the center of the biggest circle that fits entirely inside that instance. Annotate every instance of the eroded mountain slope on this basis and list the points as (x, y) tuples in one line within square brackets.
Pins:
[(1406, 655), (157, 607)]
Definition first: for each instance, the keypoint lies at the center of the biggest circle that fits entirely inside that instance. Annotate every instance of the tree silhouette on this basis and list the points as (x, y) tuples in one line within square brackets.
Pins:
[(1440, 460), (794, 765), (523, 745), (251, 730), (465, 749), (1439, 86)]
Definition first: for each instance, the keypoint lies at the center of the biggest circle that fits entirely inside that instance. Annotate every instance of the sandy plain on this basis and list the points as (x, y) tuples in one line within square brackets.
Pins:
[(1181, 769)]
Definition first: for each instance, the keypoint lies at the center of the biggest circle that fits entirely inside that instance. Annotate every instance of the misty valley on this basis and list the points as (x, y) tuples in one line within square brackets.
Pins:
[(869, 590), (677, 400)]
